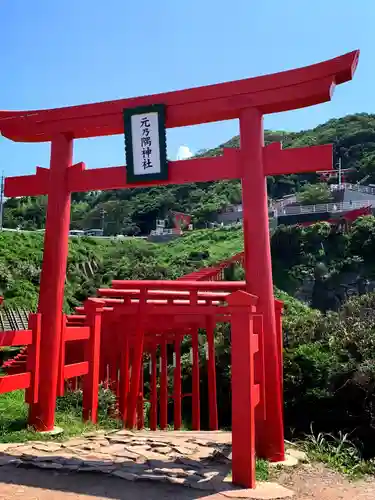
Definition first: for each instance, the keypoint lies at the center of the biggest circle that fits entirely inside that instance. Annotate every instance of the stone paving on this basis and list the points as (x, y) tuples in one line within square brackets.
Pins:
[(197, 460)]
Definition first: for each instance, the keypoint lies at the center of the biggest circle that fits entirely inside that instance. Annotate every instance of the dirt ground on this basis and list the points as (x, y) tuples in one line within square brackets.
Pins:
[(309, 483), (315, 482)]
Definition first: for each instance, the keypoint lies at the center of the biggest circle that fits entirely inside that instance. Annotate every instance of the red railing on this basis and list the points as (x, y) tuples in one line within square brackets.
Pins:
[(88, 368), (28, 380)]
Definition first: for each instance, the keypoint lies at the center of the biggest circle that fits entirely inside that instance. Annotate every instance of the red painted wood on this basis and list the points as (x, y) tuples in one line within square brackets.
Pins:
[(14, 382), (140, 412), (163, 386), (76, 333), (195, 382), (153, 390), (177, 377), (225, 286), (260, 377), (280, 342), (61, 375), (258, 271), (33, 359), (76, 369), (124, 376), (42, 414), (211, 372), (14, 338), (243, 394), (278, 161), (276, 92), (92, 355), (135, 372)]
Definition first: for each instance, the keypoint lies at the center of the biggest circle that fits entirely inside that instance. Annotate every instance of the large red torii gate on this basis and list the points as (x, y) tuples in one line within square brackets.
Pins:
[(248, 100)]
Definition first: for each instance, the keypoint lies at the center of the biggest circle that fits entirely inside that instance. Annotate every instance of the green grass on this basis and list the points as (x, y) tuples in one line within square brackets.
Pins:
[(13, 418), (338, 453), (261, 471)]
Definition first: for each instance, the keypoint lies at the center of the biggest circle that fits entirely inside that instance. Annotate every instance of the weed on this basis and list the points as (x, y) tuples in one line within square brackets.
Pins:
[(339, 453)]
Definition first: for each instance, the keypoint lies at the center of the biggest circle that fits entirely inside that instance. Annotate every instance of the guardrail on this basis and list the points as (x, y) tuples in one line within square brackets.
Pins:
[(324, 207), (353, 187)]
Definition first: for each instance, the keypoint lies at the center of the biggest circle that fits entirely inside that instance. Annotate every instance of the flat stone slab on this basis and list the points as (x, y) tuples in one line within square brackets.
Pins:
[(196, 460), (263, 491)]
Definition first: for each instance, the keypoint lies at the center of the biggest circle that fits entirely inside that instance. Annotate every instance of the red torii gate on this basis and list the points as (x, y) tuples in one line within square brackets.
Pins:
[(248, 100)]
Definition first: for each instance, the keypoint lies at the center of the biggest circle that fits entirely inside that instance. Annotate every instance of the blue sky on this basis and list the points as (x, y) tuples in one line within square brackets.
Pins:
[(65, 52)]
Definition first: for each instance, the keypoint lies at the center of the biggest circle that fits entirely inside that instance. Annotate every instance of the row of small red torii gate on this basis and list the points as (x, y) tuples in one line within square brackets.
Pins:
[(250, 307)]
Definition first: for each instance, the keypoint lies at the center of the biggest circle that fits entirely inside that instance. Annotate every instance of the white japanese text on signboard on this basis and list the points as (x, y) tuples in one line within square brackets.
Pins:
[(146, 146)]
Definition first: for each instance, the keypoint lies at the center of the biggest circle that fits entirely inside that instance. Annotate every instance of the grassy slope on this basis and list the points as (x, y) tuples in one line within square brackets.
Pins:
[(21, 257)]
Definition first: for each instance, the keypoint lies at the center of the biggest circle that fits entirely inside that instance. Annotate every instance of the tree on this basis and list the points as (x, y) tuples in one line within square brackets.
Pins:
[(314, 194)]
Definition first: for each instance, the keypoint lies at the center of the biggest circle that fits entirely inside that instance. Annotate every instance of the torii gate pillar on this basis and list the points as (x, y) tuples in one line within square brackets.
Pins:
[(52, 281), (258, 273)]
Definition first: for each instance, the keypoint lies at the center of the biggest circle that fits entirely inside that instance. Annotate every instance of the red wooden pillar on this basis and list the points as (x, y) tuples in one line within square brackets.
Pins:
[(42, 414), (260, 379), (258, 272), (163, 385), (93, 310), (140, 412), (153, 391), (280, 341), (136, 363), (211, 372), (196, 414), (245, 394), (124, 377), (177, 384)]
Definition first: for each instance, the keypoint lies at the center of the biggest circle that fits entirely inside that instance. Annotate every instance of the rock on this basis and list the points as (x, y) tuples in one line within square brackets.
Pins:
[(174, 471), (211, 474), (182, 450), (50, 447), (199, 442), (73, 462), (202, 484), (119, 439), (288, 462), (94, 435), (48, 458), (48, 465), (71, 468), (7, 460), (113, 448), (102, 442), (301, 456), (139, 449), (97, 463), (91, 446), (263, 491), (126, 454), (120, 433), (165, 450), (159, 444), (87, 468), (153, 477), (74, 442), (177, 480), (192, 464), (129, 476)]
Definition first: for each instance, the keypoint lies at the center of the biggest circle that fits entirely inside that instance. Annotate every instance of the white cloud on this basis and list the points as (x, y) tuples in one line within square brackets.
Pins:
[(183, 153)]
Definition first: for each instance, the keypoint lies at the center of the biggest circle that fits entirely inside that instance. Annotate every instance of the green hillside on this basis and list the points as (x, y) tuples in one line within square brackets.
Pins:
[(135, 210), (95, 262)]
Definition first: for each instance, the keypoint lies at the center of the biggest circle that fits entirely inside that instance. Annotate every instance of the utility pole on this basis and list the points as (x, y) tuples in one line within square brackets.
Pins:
[(2, 202), (102, 217), (340, 171)]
